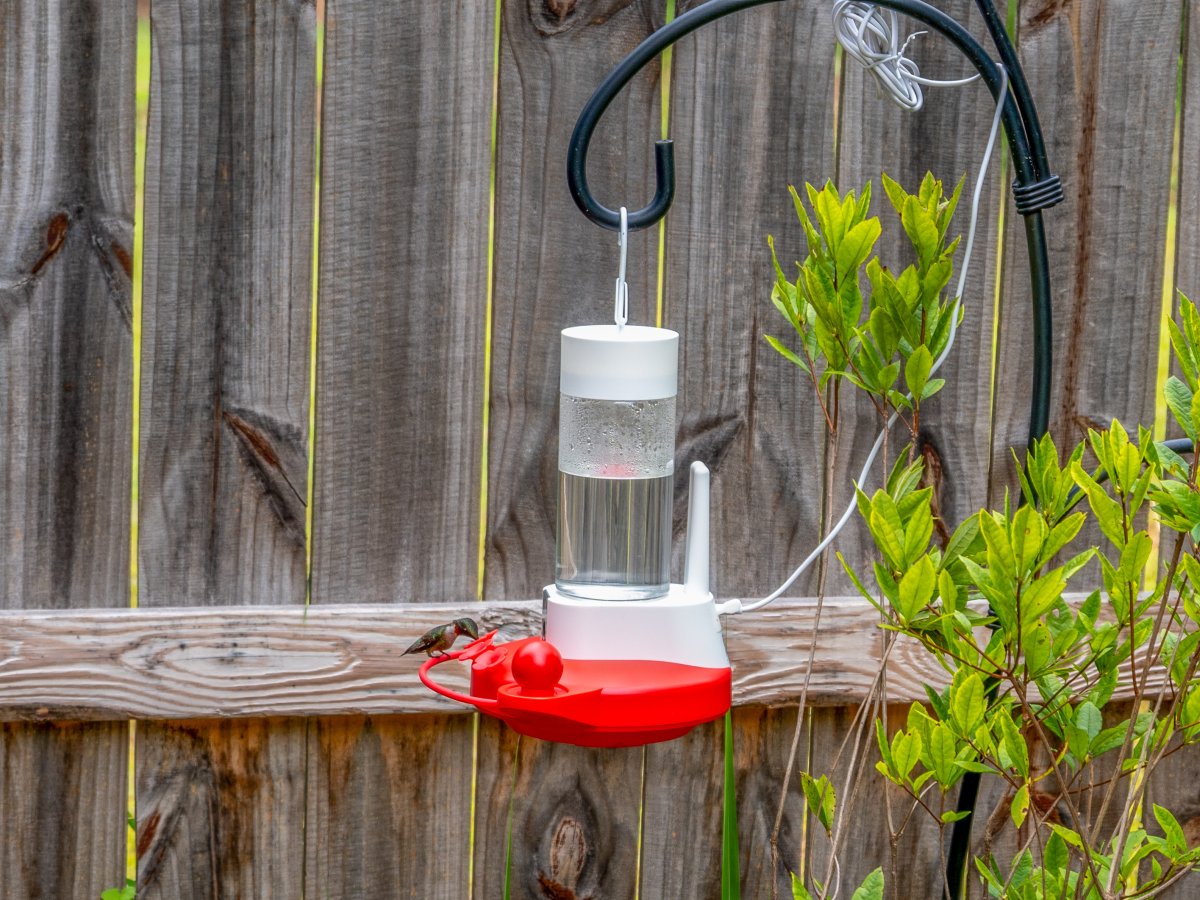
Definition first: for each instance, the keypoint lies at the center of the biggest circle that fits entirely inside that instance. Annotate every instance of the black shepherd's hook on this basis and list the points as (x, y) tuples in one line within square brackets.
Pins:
[(1035, 189)]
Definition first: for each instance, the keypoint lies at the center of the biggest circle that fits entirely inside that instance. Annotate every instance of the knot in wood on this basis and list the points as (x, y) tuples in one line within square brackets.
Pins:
[(560, 9), (568, 852)]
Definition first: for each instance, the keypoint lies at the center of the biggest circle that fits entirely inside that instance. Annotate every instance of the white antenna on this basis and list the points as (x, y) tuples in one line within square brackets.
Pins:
[(695, 566)]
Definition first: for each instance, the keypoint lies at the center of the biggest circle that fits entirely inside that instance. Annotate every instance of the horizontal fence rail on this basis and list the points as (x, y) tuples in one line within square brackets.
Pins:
[(245, 661)]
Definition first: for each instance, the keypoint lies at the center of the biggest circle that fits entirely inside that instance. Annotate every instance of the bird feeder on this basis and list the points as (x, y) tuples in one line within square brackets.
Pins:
[(627, 657)]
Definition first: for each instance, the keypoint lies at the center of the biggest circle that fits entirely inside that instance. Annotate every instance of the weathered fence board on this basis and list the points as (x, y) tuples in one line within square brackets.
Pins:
[(1108, 135), (740, 140), (66, 211), (388, 806), (1187, 234), (262, 661), (401, 345), (552, 269), (574, 822), (228, 262), (224, 808), (761, 745)]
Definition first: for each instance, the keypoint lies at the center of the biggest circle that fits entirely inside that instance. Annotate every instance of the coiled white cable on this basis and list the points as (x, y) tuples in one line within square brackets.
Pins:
[(872, 36), (736, 606)]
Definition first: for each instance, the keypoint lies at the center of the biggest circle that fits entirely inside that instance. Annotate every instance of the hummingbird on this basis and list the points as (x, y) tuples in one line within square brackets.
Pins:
[(436, 641)]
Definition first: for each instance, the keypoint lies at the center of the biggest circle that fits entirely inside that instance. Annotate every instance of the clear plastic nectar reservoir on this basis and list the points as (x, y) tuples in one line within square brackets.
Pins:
[(616, 462)]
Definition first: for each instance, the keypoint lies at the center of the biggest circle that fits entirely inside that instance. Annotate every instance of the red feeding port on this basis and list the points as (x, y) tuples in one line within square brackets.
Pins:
[(588, 702)]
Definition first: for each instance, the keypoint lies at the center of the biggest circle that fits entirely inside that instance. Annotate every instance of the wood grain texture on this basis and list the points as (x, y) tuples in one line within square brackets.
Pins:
[(231, 662), (217, 802), (568, 816), (681, 816), (745, 411), (741, 139), (1108, 133), (1187, 234), (66, 213), (946, 137), (228, 262), (495, 781), (229, 174), (388, 806), (403, 264), (553, 268), (402, 311), (62, 793), (761, 743), (263, 661)]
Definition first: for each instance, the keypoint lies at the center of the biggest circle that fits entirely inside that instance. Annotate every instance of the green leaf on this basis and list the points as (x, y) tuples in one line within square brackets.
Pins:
[(960, 542), (916, 370), (906, 752), (919, 227), (932, 386), (786, 353), (999, 548), (1179, 400), (968, 703), (799, 891), (1013, 746), (896, 194), (995, 883), (942, 752), (1056, 856), (1171, 829), (916, 588), (1067, 835), (948, 591), (871, 888), (1022, 870), (954, 815), (856, 246), (820, 796), (887, 529), (1040, 596), (1060, 535), (919, 530), (885, 750), (1089, 718), (1020, 805), (1037, 645)]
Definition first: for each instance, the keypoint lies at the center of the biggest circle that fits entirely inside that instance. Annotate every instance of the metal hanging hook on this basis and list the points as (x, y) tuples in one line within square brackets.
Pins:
[(621, 301)]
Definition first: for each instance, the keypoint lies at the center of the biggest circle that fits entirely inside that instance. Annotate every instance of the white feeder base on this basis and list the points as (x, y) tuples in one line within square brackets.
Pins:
[(681, 627)]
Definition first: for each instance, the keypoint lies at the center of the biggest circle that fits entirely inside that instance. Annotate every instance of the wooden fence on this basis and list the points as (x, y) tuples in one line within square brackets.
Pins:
[(285, 752)]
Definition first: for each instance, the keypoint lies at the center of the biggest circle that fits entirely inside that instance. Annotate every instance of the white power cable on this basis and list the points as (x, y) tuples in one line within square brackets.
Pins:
[(871, 36), (736, 606)]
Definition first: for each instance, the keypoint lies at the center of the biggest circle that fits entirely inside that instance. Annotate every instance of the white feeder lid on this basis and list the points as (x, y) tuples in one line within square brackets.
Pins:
[(603, 362)]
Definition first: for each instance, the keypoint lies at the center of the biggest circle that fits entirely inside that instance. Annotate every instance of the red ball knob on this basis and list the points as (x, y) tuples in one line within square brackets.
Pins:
[(537, 666)]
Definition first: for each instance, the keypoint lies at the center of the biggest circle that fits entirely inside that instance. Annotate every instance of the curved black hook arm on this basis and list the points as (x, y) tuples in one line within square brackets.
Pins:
[(1035, 188), (1027, 163), (664, 159)]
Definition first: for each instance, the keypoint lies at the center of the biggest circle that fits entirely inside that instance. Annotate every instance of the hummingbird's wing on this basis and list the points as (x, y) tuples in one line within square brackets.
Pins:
[(428, 641)]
